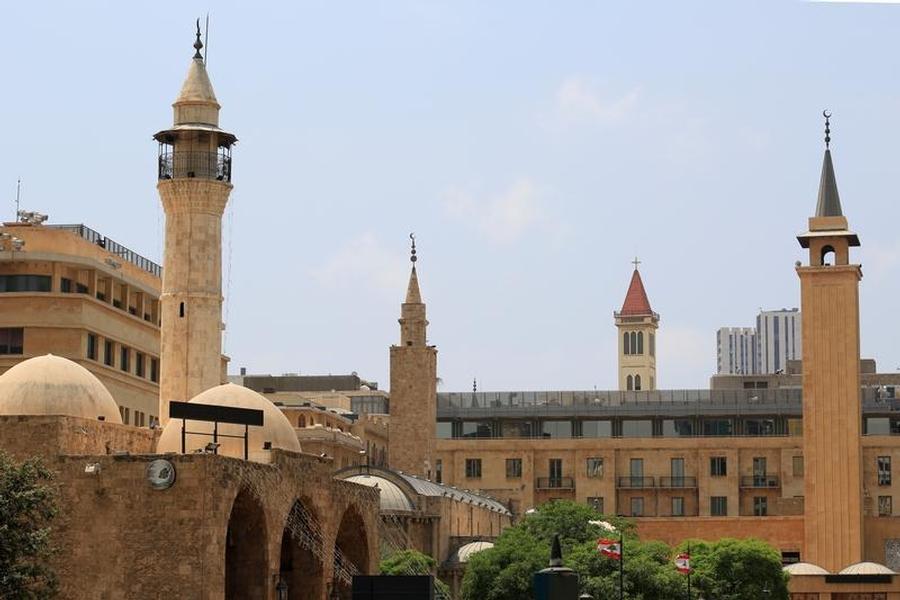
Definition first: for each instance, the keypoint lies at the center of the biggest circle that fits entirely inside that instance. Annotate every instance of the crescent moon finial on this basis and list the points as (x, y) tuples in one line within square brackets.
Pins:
[(412, 252), (827, 114)]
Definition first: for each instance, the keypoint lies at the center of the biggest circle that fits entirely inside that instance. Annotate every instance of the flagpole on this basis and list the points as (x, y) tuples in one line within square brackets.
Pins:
[(621, 566)]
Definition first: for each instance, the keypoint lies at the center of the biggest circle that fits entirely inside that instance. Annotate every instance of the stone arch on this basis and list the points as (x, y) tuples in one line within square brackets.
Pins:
[(828, 256), (351, 545), (300, 564), (245, 549)]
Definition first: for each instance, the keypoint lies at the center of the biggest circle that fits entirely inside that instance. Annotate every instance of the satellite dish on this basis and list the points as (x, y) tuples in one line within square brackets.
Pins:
[(161, 474)]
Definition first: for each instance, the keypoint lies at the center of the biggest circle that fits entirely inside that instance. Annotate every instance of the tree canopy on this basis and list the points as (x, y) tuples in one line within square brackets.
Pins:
[(27, 505), (729, 569)]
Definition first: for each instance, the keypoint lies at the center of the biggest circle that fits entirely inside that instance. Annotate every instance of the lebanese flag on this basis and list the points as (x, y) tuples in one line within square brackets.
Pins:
[(683, 563), (610, 548)]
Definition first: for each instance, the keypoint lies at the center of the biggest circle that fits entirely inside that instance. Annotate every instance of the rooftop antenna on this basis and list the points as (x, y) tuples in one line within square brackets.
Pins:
[(206, 39), (18, 195)]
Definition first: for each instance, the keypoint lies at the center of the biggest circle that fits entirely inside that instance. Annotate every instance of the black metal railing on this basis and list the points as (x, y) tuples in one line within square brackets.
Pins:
[(635, 482), (677, 482), (112, 247), (760, 481), (191, 164), (555, 483)]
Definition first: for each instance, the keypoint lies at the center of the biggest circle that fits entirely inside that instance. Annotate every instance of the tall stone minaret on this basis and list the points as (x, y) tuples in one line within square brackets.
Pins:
[(637, 325), (829, 296), (413, 408), (194, 184)]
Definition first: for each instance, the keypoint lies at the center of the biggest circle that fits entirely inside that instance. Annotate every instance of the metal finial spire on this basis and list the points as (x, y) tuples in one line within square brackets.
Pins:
[(412, 252), (635, 262), (827, 114), (474, 384), (198, 44)]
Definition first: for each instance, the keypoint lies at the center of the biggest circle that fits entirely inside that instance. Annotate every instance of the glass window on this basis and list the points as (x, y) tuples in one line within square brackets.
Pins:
[(124, 355), (596, 503), (65, 285), (759, 426), (637, 507), (24, 283), (596, 429), (627, 343), (637, 428), (640, 342), (677, 469), (878, 426), (677, 506), (476, 429), (154, 370), (108, 357), (595, 468), (556, 429), (884, 470), (677, 428), (513, 468), (760, 506), (637, 383), (139, 364), (885, 506), (11, 340), (629, 383), (444, 430), (516, 429), (717, 427), (473, 468), (718, 466), (718, 506), (636, 470), (439, 470), (92, 346), (797, 466)]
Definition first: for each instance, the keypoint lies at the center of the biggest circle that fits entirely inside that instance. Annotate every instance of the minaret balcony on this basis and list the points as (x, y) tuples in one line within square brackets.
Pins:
[(183, 164)]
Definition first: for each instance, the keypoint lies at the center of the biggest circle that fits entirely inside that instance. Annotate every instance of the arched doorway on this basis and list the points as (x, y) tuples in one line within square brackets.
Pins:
[(245, 550), (301, 555), (351, 551)]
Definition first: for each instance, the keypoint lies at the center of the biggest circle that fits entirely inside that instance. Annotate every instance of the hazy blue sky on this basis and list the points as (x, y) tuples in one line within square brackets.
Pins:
[(534, 148)]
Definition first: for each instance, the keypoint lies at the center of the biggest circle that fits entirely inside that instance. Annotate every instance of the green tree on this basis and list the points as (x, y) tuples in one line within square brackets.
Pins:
[(413, 562), (27, 506), (732, 569)]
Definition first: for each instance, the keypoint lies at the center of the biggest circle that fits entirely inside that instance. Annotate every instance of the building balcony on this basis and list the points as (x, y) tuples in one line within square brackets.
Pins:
[(635, 483), (555, 483), (760, 481), (678, 482), (192, 164)]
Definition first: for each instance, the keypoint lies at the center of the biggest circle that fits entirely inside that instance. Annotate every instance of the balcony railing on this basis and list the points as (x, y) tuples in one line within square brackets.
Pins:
[(555, 483), (112, 247), (760, 481), (200, 165), (635, 482), (678, 482)]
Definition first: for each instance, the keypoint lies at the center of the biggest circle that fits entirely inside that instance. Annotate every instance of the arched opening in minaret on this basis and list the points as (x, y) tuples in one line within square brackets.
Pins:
[(351, 551), (300, 566), (245, 549), (828, 255), (629, 383)]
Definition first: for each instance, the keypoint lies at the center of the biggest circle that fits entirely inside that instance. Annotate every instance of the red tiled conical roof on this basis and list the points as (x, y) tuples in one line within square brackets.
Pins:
[(636, 301)]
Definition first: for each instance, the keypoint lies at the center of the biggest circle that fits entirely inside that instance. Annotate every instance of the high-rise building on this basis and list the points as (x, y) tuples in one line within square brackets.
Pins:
[(736, 351), (637, 325), (779, 339)]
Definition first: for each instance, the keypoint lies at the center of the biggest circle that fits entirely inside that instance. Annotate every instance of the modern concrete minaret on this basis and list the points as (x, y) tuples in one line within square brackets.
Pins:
[(411, 444), (194, 184), (829, 292), (637, 325)]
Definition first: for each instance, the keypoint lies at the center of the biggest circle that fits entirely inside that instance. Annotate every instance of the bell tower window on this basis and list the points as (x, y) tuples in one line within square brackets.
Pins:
[(629, 383), (627, 343), (828, 256)]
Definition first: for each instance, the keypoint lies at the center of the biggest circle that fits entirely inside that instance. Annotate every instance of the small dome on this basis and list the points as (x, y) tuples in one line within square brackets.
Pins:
[(805, 568), (392, 497), (866, 568), (463, 553), (276, 428), (53, 385)]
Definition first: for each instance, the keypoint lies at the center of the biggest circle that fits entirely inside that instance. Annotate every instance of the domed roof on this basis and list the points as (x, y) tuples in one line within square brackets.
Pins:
[(805, 568), (276, 428), (392, 497), (53, 385), (866, 568), (463, 553)]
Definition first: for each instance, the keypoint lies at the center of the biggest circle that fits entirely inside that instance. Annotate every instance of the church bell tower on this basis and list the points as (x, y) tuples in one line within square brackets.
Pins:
[(637, 325), (829, 292), (194, 185)]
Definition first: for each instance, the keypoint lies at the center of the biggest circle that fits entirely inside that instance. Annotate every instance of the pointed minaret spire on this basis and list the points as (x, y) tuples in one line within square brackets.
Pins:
[(413, 296), (829, 204)]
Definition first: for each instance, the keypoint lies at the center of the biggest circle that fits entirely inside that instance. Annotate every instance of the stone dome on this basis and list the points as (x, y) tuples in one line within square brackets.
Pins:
[(805, 568), (276, 428), (392, 497), (53, 385), (462, 554), (866, 568)]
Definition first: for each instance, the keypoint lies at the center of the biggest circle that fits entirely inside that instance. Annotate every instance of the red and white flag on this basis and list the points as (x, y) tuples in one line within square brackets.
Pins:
[(610, 548), (683, 563)]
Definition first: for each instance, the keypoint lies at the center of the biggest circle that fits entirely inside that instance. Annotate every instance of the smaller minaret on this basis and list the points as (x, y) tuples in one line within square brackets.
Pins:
[(637, 325), (413, 407)]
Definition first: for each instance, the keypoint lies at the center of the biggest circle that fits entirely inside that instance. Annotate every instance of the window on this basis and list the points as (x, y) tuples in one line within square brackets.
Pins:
[(124, 355), (139, 364), (181, 309), (11, 340), (677, 471), (760, 506), (637, 507), (677, 428), (516, 429), (596, 429), (759, 426), (884, 470), (878, 426), (65, 285), (554, 466), (438, 470), (797, 466), (629, 383), (92, 346), (637, 428), (717, 427), (885, 506), (633, 342), (595, 468), (444, 430), (473, 468), (126, 415), (626, 343), (24, 283), (476, 429), (513, 468), (637, 383), (718, 466), (640, 342), (652, 344), (108, 357), (154, 370), (677, 506), (718, 506), (596, 504), (556, 429)]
